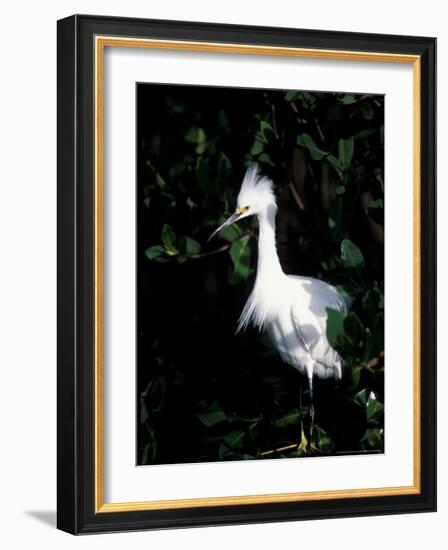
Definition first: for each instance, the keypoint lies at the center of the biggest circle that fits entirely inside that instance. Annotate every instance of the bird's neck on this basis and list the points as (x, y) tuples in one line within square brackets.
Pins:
[(269, 268)]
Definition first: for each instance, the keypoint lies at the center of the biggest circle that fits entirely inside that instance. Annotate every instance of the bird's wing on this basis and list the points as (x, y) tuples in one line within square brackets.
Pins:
[(307, 325), (309, 316)]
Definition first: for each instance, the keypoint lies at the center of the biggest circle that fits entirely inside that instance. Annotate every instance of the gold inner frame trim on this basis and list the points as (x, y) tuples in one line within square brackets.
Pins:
[(101, 42)]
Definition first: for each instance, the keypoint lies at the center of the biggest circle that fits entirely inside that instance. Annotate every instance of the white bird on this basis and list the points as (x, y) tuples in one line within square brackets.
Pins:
[(291, 309)]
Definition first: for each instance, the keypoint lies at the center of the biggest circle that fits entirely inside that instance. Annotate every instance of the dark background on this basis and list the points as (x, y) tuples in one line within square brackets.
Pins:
[(204, 393)]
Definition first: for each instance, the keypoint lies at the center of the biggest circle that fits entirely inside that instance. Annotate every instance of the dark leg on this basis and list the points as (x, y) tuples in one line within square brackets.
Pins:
[(303, 442), (310, 381)]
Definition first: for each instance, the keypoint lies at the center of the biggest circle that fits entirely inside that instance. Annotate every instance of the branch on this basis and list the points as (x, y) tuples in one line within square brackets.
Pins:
[(296, 196), (374, 362), (211, 253), (294, 107), (319, 129), (274, 121), (222, 248), (279, 449)]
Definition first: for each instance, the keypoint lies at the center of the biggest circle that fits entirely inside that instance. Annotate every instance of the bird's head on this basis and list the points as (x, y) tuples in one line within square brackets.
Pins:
[(255, 197)]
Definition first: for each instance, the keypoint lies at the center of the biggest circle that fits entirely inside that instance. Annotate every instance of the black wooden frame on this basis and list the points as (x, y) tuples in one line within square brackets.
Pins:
[(75, 476)]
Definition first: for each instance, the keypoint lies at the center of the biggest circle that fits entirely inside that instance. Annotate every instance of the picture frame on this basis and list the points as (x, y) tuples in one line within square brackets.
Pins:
[(82, 42)]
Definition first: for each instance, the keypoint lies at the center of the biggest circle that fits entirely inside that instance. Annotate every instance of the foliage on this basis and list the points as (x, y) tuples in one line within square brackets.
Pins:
[(205, 393)]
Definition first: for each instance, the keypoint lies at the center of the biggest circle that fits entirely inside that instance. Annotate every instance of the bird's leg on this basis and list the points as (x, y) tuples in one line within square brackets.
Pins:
[(310, 380), (303, 442), (310, 372)]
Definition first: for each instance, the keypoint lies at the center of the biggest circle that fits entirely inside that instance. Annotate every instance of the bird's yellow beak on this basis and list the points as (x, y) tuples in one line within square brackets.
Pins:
[(233, 218)]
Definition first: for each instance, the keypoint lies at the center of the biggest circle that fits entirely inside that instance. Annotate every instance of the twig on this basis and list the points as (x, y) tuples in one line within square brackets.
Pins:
[(294, 107), (274, 121), (296, 196), (319, 129), (222, 248), (374, 362), (279, 449)]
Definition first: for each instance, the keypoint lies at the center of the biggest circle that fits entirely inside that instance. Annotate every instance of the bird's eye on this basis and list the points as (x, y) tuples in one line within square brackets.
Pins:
[(242, 209)]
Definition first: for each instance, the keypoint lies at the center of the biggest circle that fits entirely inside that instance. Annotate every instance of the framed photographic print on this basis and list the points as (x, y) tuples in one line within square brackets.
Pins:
[(246, 271)]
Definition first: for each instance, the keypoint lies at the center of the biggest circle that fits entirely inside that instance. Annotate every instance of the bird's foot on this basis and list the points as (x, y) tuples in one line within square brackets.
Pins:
[(302, 447)]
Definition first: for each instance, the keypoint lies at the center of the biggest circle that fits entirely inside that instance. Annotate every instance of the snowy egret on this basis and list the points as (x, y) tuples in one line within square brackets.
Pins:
[(291, 309)]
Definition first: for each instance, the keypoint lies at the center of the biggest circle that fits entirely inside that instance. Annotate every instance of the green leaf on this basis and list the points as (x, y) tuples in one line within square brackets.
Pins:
[(266, 130), (376, 211), (149, 451), (308, 100), (321, 441), (176, 169), (231, 232), (201, 141), (264, 158), (192, 246), (262, 138), (223, 121), (254, 429), (373, 439), (366, 110), (305, 140), (370, 301), (147, 201), (334, 162), (144, 414), (354, 328), (160, 181), (213, 415), (197, 136), (291, 419), (351, 256), (292, 96), (224, 452), (348, 99), (364, 133), (240, 255), (374, 409), (154, 252), (178, 107), (156, 392), (353, 261), (203, 173), (354, 374), (168, 236), (336, 334), (335, 326), (345, 152), (368, 401), (257, 148), (192, 135), (224, 165), (235, 439), (361, 398), (340, 215), (375, 337), (170, 197)]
